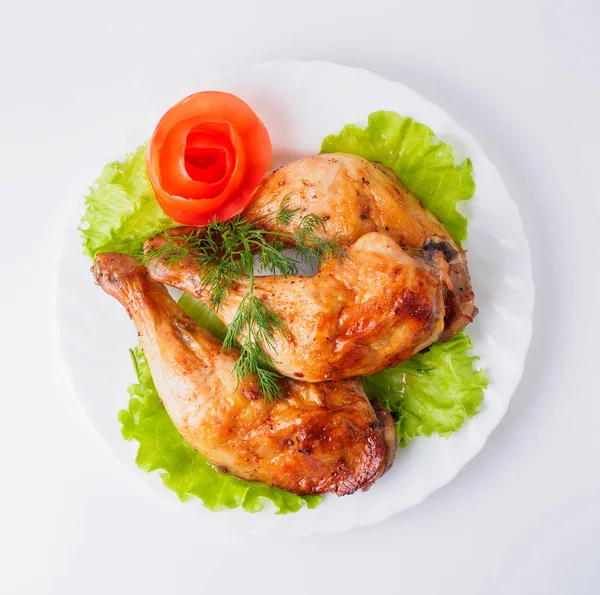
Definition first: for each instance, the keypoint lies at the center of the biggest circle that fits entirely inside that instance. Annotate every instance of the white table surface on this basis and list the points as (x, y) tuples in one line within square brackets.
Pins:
[(524, 78)]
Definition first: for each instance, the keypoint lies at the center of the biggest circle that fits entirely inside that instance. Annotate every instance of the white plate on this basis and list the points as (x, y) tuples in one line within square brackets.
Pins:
[(300, 103)]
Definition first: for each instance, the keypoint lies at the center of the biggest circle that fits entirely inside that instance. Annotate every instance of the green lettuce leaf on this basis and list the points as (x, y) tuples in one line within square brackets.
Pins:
[(121, 211), (425, 164), (203, 315), (433, 392), (182, 468)]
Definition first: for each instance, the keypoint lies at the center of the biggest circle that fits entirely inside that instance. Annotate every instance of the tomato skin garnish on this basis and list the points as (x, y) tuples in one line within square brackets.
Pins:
[(207, 155)]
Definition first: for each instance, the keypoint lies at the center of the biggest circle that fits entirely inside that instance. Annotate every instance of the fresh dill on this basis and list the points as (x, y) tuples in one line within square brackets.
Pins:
[(225, 253)]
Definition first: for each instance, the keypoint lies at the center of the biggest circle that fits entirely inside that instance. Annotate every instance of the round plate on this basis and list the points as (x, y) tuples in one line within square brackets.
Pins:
[(300, 103)]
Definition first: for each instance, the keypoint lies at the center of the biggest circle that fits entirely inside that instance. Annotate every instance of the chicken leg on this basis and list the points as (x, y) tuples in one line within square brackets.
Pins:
[(376, 308), (319, 438)]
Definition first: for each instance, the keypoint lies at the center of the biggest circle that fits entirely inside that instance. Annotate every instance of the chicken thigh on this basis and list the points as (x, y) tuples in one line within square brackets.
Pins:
[(372, 310), (320, 438), (354, 196)]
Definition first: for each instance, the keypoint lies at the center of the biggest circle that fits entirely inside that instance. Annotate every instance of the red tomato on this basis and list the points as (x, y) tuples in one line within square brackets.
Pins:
[(206, 157)]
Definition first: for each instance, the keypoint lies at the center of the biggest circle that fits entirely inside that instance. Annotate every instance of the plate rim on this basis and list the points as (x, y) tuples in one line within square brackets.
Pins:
[(434, 486)]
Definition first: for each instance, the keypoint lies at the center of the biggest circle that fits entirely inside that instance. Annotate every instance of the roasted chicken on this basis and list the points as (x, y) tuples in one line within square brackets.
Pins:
[(376, 308), (353, 197), (320, 438)]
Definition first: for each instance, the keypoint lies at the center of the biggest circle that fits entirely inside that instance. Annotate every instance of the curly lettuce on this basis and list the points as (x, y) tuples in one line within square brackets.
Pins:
[(182, 468), (433, 392), (120, 209), (425, 164)]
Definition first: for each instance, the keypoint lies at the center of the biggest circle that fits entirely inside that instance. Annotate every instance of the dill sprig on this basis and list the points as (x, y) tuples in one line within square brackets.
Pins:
[(225, 254)]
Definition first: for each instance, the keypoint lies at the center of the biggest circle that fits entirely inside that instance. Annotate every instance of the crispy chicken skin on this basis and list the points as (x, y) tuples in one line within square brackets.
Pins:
[(374, 309), (320, 438), (354, 196)]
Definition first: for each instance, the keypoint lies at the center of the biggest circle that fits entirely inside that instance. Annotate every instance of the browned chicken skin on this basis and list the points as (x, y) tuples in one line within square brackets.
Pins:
[(353, 197), (376, 308), (321, 438)]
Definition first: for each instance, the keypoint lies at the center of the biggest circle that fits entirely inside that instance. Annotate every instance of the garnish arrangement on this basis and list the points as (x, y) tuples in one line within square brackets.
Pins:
[(269, 404)]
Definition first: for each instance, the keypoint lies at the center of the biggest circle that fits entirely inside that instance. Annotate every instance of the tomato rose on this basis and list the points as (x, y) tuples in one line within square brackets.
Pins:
[(206, 157)]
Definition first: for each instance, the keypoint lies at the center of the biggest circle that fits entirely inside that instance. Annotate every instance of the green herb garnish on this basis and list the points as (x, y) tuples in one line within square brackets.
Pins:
[(225, 253)]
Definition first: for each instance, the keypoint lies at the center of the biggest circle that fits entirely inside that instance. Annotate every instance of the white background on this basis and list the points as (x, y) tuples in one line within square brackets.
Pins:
[(523, 78)]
